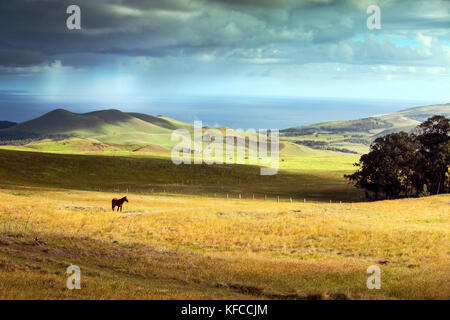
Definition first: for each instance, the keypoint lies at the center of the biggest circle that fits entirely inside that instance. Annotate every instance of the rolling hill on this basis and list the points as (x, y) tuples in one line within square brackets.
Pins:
[(356, 135), (105, 122), (106, 126), (159, 121), (114, 130), (395, 121)]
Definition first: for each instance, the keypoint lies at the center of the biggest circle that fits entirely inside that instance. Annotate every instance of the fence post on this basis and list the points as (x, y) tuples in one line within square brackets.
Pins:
[(253, 196), (290, 199), (239, 195), (227, 195), (304, 200)]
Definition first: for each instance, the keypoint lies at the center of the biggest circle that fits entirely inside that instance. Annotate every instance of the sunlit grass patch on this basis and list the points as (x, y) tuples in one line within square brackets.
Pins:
[(196, 247)]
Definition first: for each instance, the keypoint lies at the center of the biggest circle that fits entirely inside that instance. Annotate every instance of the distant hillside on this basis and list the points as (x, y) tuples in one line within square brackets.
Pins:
[(108, 126), (419, 114), (356, 135), (159, 121), (408, 119), (114, 130), (57, 122), (360, 125), (6, 124), (391, 122), (61, 121)]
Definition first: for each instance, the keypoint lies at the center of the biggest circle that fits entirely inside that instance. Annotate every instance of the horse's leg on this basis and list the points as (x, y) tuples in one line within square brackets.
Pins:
[(113, 207)]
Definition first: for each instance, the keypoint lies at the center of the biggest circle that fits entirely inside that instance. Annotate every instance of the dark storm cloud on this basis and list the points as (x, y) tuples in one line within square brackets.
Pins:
[(41, 26), (20, 58), (34, 32), (255, 3), (173, 5), (176, 50)]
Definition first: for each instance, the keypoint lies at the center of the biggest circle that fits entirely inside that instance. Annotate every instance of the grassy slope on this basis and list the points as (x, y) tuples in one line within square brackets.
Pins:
[(107, 122), (162, 121), (315, 178), (407, 117), (171, 247), (356, 135), (109, 126), (191, 247), (119, 131), (166, 246), (418, 113), (77, 145)]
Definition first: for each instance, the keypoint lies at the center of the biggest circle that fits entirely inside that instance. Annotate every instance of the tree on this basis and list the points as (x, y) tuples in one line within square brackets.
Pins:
[(407, 164), (387, 168), (433, 140)]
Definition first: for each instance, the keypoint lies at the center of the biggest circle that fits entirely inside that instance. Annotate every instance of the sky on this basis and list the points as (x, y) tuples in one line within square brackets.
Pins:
[(198, 58)]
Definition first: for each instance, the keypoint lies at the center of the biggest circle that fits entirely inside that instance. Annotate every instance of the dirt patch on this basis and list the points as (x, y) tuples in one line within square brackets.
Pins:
[(150, 148), (93, 146), (85, 209)]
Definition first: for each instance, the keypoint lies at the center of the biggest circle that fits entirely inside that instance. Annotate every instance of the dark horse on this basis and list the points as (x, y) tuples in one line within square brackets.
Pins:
[(118, 203)]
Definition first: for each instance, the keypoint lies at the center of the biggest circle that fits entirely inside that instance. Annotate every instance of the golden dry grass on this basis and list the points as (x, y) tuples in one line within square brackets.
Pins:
[(180, 247)]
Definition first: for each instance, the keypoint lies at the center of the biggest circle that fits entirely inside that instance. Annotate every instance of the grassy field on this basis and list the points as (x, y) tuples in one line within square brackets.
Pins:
[(180, 242), (174, 247), (313, 178)]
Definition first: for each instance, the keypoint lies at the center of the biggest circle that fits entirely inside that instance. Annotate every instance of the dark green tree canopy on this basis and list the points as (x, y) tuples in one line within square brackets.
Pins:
[(402, 164)]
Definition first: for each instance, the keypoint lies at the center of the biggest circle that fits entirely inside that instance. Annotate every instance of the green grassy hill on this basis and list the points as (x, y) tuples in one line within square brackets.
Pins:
[(419, 114), (99, 131), (309, 177), (110, 127), (349, 136), (107, 122), (116, 131), (161, 121), (395, 120)]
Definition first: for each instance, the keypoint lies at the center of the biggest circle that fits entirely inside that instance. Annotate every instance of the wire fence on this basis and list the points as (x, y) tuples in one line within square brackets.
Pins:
[(167, 191)]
